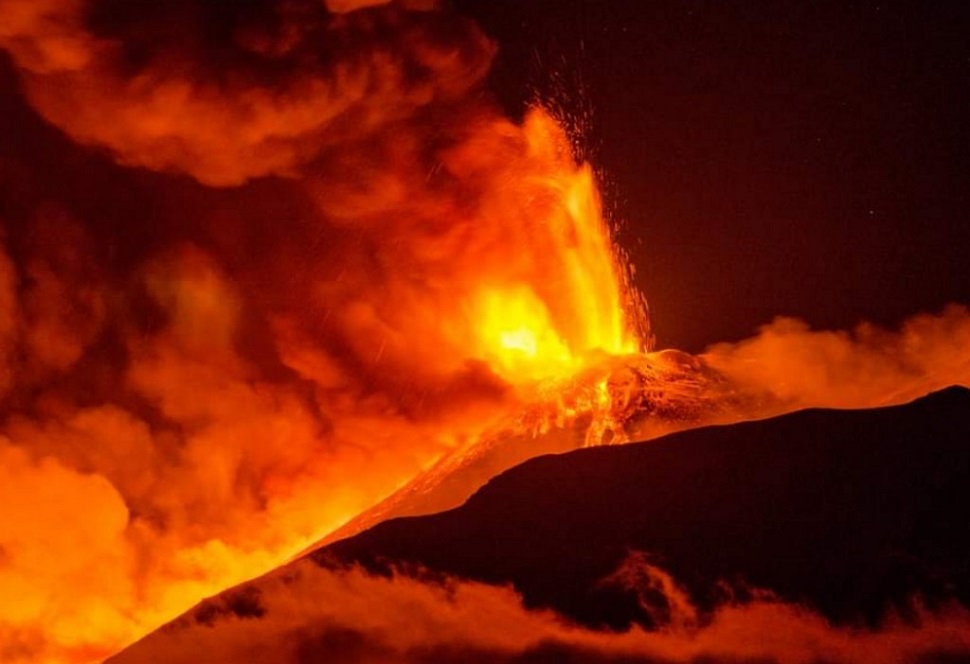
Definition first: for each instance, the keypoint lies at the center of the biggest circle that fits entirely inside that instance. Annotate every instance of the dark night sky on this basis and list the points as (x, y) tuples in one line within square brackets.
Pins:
[(797, 158), (771, 158)]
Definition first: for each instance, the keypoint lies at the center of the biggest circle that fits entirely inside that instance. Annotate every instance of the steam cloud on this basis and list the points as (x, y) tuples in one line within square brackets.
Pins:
[(799, 367), (260, 321)]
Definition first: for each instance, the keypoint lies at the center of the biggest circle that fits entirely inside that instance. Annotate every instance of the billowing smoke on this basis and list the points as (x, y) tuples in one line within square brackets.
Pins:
[(227, 94), (284, 299), (793, 366), (306, 613)]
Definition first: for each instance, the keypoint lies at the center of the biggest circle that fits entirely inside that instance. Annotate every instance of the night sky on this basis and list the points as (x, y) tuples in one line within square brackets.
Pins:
[(771, 158), (763, 159)]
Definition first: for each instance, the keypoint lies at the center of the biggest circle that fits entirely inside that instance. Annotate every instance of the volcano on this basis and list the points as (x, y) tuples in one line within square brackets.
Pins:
[(275, 274), (639, 397), (857, 517)]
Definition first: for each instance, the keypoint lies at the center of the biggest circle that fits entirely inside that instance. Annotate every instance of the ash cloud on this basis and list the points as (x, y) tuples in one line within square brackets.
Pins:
[(242, 245), (226, 92)]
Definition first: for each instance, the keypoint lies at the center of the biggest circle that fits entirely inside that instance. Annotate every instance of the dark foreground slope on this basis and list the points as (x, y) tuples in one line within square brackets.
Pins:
[(846, 511)]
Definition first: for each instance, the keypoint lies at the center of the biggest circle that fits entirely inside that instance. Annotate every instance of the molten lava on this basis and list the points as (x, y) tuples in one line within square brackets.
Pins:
[(229, 472), (545, 323)]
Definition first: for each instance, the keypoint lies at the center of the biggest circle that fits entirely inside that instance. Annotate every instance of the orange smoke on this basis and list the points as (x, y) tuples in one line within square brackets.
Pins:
[(200, 471), (302, 81), (200, 416), (305, 613), (793, 367)]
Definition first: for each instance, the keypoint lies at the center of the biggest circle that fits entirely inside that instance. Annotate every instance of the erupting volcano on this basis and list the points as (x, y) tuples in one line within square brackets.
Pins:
[(276, 273)]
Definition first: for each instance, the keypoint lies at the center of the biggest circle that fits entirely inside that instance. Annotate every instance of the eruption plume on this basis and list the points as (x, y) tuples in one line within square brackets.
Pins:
[(321, 261), (240, 384)]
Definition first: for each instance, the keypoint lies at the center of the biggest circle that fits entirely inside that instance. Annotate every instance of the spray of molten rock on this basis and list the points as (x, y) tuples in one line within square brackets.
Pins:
[(344, 272)]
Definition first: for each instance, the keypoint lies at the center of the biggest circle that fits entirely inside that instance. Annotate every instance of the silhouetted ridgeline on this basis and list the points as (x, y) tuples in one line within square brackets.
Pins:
[(846, 511)]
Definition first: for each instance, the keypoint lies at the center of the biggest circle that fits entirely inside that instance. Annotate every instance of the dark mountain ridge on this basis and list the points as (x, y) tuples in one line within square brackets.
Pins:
[(847, 512)]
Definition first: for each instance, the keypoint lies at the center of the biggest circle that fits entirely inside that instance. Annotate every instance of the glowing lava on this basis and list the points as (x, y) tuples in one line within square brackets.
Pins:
[(546, 323)]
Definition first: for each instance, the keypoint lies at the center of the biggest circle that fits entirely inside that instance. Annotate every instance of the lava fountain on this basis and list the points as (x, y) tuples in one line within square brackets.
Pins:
[(380, 269)]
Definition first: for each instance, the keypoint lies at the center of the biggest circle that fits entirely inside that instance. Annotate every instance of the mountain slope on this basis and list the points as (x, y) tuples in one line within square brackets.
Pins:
[(650, 395), (846, 513), (844, 510)]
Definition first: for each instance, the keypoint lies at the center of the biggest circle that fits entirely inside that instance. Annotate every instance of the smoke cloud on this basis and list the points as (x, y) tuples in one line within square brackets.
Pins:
[(306, 613), (291, 81), (794, 366), (265, 314)]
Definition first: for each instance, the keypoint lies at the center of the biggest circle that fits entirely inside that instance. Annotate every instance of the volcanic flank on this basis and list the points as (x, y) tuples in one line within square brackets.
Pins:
[(857, 517)]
